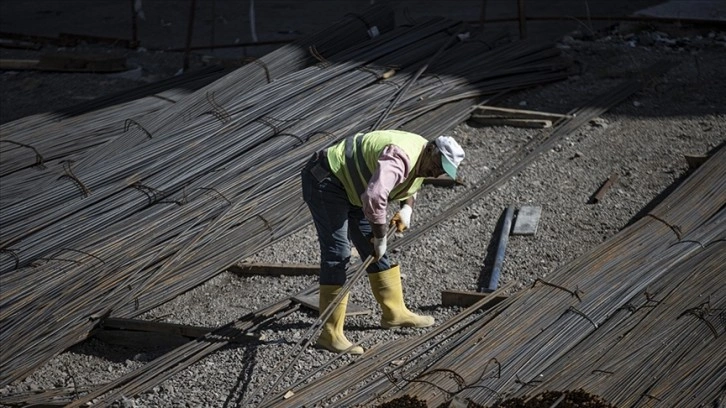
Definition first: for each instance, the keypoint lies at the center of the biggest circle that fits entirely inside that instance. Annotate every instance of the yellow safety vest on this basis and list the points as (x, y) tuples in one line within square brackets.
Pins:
[(355, 159)]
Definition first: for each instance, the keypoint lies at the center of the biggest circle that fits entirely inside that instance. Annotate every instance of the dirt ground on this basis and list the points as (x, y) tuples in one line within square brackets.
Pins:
[(644, 140)]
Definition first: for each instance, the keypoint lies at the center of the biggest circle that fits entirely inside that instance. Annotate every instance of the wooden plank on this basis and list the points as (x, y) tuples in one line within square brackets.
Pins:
[(18, 44), (67, 62), (275, 269), (527, 220), (18, 64), (514, 122), (311, 302), (157, 327), (144, 334), (137, 339), (694, 161), (604, 188), (518, 113), (467, 298)]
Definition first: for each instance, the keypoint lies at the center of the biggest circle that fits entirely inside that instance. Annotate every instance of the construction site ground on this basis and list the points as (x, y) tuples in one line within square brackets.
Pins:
[(644, 140)]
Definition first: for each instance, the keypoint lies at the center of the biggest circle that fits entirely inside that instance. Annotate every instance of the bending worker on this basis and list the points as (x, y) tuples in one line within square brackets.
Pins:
[(347, 188)]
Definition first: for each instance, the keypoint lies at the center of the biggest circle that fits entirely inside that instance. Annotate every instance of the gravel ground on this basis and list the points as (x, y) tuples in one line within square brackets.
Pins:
[(643, 140)]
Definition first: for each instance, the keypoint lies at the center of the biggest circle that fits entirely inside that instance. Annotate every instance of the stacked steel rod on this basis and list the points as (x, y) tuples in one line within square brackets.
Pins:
[(505, 355), (179, 196), (631, 320)]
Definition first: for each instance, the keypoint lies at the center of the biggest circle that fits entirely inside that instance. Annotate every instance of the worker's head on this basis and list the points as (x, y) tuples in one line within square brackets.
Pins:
[(451, 154), (441, 156)]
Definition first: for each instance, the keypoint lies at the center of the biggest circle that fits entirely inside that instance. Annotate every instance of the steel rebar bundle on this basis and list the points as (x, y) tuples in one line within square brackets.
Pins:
[(619, 271), (622, 321), (180, 195)]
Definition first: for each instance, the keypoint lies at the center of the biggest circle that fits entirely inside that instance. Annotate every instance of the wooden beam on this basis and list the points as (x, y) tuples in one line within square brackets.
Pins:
[(518, 113), (522, 20), (694, 161), (527, 220), (275, 269), (144, 334), (525, 123), (604, 188), (66, 62), (467, 298), (18, 64), (156, 327)]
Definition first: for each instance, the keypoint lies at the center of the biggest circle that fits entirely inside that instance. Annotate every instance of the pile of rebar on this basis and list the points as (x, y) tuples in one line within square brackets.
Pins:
[(637, 320), (166, 200)]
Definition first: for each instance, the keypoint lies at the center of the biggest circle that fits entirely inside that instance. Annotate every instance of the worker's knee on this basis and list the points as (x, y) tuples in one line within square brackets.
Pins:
[(333, 273)]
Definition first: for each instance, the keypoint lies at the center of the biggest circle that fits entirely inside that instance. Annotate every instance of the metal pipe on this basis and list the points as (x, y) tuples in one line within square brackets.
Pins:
[(501, 248)]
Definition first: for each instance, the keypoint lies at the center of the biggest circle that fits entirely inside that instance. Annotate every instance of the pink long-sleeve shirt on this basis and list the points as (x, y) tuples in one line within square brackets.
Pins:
[(394, 166)]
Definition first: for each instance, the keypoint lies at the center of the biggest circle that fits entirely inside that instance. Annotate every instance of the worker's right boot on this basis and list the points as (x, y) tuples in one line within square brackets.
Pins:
[(388, 291), (332, 337)]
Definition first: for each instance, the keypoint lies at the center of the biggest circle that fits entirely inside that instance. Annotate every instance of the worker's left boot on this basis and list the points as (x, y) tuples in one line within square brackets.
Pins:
[(388, 290), (332, 337)]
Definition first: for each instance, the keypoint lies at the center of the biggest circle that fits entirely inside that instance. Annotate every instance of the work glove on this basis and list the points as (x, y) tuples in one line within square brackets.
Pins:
[(402, 219), (379, 247)]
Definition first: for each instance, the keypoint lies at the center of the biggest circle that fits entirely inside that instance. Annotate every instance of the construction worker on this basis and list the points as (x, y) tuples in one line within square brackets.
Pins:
[(347, 188)]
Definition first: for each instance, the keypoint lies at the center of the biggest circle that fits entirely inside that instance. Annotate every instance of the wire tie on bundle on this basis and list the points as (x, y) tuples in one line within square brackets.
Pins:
[(322, 132), (371, 71), (84, 253), (38, 157), (530, 383), (60, 259), (267, 223), (69, 174), (13, 254), (651, 298), (260, 63), (180, 202), (293, 136), (216, 191), (129, 122), (267, 120), (575, 293), (690, 241), (151, 193), (573, 309), (629, 307), (323, 62), (458, 379), (701, 311), (675, 228), (217, 110)]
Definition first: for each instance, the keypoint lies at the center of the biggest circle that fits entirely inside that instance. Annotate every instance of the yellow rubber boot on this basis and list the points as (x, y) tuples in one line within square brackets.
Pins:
[(388, 290), (332, 337)]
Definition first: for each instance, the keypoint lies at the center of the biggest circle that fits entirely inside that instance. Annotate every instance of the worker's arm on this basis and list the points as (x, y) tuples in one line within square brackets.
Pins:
[(393, 168)]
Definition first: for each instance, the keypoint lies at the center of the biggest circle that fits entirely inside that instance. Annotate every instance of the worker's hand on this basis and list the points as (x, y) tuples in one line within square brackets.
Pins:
[(379, 247), (402, 219)]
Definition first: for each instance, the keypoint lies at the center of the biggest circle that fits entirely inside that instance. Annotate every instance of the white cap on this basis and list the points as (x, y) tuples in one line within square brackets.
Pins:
[(451, 154)]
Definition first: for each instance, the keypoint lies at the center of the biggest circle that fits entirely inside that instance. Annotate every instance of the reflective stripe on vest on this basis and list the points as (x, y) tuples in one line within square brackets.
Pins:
[(353, 156)]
